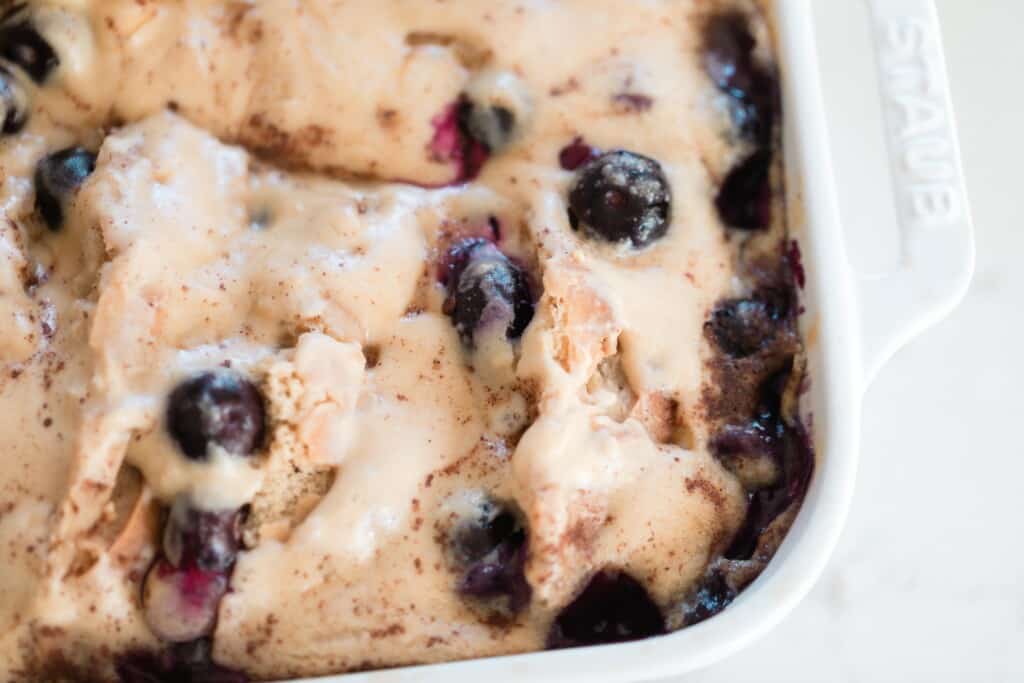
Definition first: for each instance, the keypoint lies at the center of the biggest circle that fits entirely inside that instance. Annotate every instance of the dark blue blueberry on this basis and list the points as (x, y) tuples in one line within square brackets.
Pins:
[(205, 539), (485, 288), (492, 550), (790, 445), (182, 663), (216, 408), (752, 90), (500, 575), (58, 176), (493, 524), (728, 49), (456, 259), (742, 327), (614, 607), (13, 104), (736, 442), (21, 44), (621, 197), (711, 597), (489, 125), (744, 201)]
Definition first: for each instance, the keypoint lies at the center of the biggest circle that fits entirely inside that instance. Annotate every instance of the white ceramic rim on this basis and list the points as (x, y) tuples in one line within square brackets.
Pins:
[(847, 342)]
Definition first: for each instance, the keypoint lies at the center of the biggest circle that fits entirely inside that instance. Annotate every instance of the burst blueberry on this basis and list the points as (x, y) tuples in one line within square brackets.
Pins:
[(452, 142), (183, 588), (613, 607), (180, 603), (576, 153)]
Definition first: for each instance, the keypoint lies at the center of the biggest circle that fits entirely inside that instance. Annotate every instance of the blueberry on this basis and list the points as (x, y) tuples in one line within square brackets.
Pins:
[(729, 61), (13, 104), (205, 539), (216, 408), (456, 258), (619, 197), (745, 199), (486, 289), (493, 108), (796, 459), (712, 595), (181, 663), (21, 44), (475, 538), (742, 327), (180, 603), (734, 440), (790, 447), (453, 142), (143, 667), (728, 47), (613, 608), (492, 551), (58, 176), (481, 122), (500, 575), (490, 125)]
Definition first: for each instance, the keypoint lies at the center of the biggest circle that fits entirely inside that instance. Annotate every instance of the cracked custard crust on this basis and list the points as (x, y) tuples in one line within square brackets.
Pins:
[(485, 421)]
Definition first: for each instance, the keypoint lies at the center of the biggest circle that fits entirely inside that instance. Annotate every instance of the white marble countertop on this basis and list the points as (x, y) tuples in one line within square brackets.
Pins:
[(928, 581)]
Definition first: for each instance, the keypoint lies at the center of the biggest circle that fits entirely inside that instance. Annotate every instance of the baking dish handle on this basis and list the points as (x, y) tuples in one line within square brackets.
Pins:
[(913, 269)]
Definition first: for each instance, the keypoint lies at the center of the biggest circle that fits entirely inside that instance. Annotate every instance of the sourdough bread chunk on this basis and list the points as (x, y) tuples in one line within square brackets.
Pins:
[(357, 335)]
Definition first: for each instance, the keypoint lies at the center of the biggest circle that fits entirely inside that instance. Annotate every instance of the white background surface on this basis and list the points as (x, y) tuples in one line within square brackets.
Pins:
[(928, 581)]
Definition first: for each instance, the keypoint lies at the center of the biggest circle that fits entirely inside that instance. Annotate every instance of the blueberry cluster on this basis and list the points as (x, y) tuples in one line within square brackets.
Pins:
[(751, 91), (784, 443), (26, 58), (24, 52), (755, 336), (616, 197), (212, 410)]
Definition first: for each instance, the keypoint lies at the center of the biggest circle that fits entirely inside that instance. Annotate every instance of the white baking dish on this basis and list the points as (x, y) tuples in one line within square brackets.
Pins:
[(885, 270)]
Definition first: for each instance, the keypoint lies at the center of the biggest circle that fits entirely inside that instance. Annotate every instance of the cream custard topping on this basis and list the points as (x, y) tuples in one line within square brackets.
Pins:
[(383, 245)]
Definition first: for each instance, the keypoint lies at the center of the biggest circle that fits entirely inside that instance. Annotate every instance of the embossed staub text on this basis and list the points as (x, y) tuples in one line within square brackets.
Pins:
[(920, 124)]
